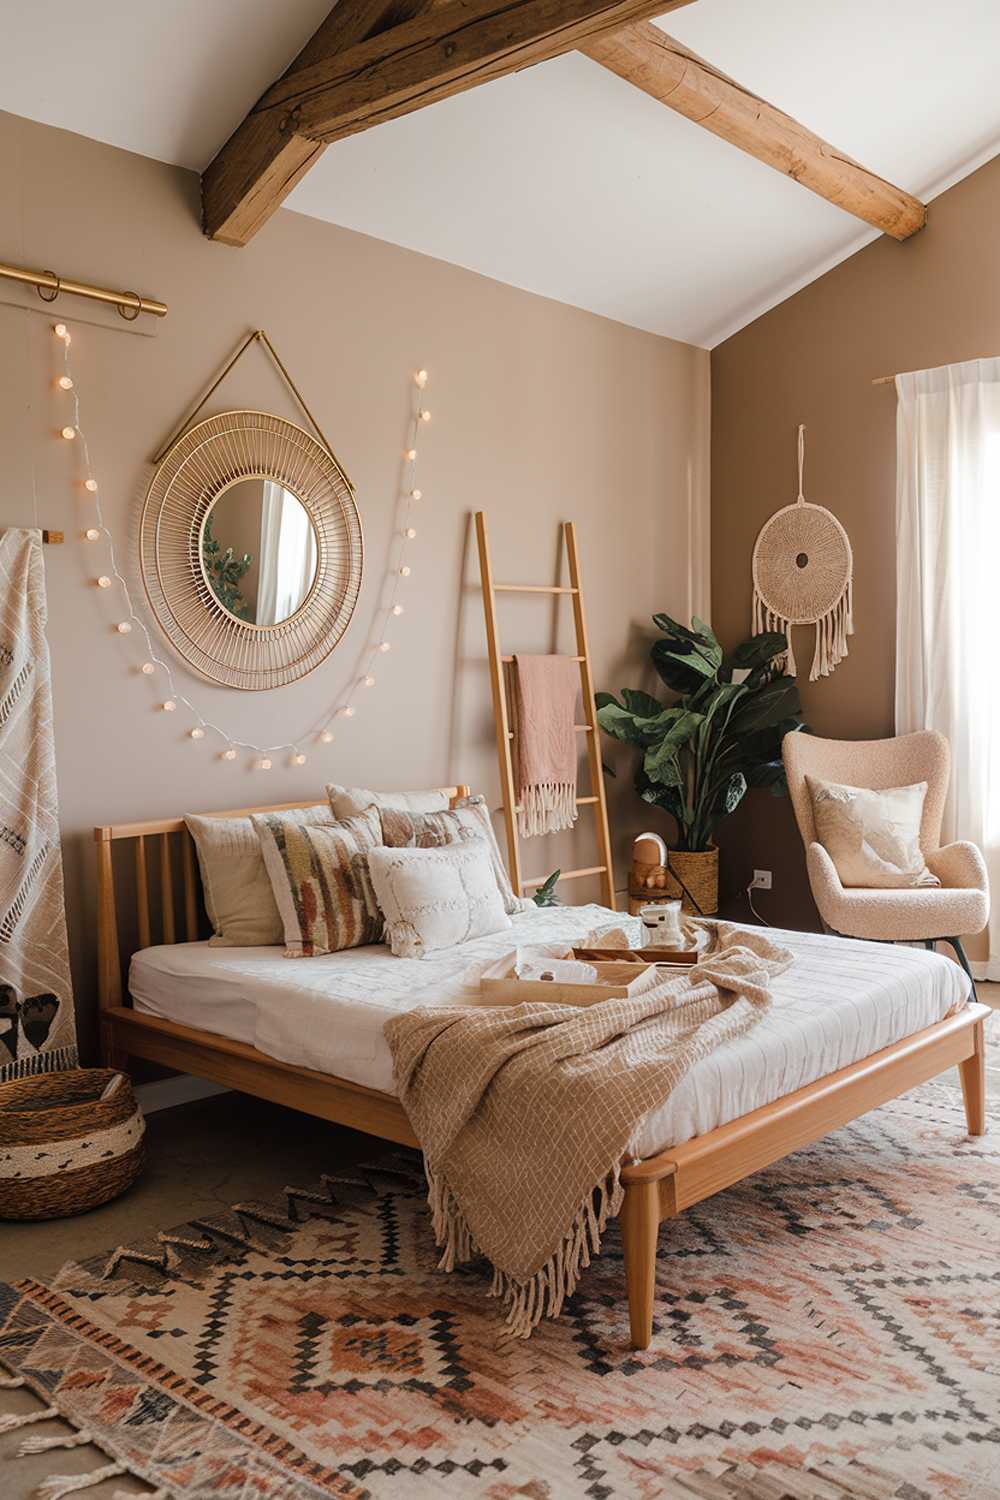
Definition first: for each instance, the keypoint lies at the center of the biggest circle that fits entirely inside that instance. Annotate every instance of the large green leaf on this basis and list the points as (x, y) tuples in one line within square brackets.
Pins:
[(766, 707), (643, 705), (662, 765), (759, 650), (620, 723)]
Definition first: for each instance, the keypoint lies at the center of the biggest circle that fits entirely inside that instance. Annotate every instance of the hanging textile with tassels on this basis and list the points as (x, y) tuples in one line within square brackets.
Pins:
[(803, 575)]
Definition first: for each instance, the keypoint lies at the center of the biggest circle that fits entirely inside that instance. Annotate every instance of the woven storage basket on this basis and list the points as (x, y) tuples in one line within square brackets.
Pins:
[(64, 1148), (699, 872)]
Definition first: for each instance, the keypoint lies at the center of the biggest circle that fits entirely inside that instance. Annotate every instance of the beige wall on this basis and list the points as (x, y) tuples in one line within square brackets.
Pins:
[(540, 412), (934, 300)]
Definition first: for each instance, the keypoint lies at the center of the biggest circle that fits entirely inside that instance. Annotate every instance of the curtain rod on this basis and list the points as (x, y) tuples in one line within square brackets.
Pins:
[(129, 304), (883, 380)]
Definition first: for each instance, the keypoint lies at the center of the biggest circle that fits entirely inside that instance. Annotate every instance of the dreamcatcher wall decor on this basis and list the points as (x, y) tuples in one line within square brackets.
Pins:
[(803, 575)]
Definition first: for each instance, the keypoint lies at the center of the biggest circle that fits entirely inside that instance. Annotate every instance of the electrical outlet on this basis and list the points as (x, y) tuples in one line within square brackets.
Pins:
[(761, 880)]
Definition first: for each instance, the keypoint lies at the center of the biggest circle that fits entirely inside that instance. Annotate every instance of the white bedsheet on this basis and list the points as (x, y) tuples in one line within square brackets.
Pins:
[(839, 1001)]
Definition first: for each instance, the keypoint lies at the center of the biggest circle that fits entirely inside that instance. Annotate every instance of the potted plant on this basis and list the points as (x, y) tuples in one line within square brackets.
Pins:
[(721, 734)]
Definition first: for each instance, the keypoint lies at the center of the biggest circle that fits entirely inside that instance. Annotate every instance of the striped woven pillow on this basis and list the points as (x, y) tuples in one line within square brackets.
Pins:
[(319, 876)]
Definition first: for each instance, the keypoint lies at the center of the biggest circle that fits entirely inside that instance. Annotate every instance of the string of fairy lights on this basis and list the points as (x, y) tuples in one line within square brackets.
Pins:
[(399, 569)]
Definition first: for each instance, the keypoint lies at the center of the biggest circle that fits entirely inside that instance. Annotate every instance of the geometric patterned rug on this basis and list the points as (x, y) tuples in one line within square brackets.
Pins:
[(827, 1328)]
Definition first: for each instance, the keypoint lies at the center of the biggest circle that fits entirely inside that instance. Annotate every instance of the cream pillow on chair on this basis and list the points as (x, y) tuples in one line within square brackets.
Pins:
[(873, 837), (435, 898)]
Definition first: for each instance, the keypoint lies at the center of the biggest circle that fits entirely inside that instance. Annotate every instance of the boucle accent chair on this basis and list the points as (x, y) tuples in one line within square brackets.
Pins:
[(947, 913)]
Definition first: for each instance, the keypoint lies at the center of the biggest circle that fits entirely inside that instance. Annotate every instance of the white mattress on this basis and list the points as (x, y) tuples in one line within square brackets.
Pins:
[(839, 1001)]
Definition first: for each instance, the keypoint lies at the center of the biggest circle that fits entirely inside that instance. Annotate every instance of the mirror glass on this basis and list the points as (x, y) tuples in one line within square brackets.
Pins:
[(258, 551)]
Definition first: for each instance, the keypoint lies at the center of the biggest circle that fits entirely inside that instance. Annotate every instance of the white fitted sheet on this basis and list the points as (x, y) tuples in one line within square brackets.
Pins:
[(840, 1001)]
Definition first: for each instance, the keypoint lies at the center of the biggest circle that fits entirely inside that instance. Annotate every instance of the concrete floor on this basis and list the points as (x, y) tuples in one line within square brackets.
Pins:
[(200, 1156)]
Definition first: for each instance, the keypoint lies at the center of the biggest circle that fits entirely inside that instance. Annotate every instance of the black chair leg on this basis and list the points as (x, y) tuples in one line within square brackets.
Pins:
[(956, 943)]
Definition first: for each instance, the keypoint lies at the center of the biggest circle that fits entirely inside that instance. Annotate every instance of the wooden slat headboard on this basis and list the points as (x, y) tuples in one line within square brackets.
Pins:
[(114, 949)]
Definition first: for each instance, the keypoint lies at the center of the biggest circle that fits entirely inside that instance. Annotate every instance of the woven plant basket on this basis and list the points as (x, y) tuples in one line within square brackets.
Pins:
[(700, 873), (63, 1147)]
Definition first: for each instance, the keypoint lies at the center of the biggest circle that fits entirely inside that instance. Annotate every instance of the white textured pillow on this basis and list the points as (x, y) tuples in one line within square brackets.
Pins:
[(351, 801), (435, 898), (238, 895), (872, 837)]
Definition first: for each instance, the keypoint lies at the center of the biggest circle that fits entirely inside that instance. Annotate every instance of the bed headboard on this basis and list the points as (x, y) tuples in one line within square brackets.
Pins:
[(155, 847)]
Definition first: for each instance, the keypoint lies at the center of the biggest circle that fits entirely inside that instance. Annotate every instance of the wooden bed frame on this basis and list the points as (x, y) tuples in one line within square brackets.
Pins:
[(655, 1189)]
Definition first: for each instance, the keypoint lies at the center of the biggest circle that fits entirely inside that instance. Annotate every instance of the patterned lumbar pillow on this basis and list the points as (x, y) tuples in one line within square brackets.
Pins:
[(872, 837), (349, 801), (435, 898), (238, 895), (319, 876), (468, 819)]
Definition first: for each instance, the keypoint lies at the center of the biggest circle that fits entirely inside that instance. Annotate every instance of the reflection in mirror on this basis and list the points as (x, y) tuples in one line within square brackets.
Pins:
[(258, 551)]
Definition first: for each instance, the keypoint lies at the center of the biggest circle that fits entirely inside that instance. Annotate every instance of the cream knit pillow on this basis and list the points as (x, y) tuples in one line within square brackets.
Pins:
[(435, 898), (872, 837), (468, 819), (238, 895)]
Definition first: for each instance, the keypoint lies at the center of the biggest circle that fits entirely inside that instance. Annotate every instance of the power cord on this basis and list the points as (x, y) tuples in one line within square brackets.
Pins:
[(750, 890)]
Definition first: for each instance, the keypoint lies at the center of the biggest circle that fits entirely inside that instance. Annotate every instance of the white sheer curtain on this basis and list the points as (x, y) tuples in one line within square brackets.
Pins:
[(948, 592), (287, 555)]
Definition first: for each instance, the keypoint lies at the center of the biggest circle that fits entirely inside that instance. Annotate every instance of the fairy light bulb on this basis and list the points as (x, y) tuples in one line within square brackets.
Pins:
[(123, 627), (264, 764), (91, 485), (298, 759), (168, 705), (384, 646), (69, 433), (421, 378), (410, 455), (348, 711), (405, 571), (326, 737), (229, 754), (147, 669), (104, 582), (61, 332), (65, 383), (197, 733), (410, 533), (368, 680), (416, 494), (424, 414), (92, 534), (397, 609)]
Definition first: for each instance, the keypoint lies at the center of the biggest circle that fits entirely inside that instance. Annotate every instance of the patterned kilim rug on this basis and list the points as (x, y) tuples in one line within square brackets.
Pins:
[(827, 1328)]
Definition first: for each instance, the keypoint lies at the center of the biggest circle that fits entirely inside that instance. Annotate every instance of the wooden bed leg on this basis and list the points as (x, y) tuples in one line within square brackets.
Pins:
[(640, 1223), (973, 1075)]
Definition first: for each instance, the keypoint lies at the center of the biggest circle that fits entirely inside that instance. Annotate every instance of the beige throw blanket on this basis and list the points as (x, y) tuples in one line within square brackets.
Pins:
[(545, 693), (37, 1025), (525, 1112)]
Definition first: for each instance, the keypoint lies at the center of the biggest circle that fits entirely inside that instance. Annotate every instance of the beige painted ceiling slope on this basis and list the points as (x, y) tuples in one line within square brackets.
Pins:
[(562, 179)]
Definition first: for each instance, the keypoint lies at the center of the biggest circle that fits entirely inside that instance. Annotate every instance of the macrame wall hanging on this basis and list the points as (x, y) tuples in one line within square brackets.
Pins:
[(802, 575)]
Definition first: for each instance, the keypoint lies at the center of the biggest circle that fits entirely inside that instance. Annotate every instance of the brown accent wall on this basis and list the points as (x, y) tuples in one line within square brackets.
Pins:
[(931, 301), (540, 412)]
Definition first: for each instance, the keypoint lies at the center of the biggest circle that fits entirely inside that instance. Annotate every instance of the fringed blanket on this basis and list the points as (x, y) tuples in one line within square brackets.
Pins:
[(524, 1113), (37, 1027), (545, 692)]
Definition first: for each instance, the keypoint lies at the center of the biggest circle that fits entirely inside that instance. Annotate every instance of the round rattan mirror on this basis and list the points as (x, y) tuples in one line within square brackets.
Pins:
[(251, 549)]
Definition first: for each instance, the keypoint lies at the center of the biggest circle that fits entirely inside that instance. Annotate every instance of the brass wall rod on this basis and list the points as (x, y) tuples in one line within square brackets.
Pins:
[(129, 304)]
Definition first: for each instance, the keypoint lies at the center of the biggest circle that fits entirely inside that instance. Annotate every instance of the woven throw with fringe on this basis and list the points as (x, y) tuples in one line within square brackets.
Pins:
[(545, 692), (37, 1025), (524, 1113)]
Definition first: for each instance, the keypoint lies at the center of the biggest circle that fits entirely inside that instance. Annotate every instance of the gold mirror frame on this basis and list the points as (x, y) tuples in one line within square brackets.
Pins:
[(194, 472)]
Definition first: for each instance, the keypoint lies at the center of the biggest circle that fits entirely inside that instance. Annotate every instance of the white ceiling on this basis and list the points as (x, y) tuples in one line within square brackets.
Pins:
[(562, 179)]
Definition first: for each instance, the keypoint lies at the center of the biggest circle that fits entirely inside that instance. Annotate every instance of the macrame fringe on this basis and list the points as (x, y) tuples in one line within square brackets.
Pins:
[(11, 1424), (546, 809), (59, 1485), (543, 1294), (64, 1440), (832, 630)]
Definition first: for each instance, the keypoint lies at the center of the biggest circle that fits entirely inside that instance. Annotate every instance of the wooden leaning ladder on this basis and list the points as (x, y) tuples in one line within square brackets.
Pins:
[(501, 712)]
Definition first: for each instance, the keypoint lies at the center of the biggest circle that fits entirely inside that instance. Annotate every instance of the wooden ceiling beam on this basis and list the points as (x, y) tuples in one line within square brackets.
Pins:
[(645, 56), (442, 50)]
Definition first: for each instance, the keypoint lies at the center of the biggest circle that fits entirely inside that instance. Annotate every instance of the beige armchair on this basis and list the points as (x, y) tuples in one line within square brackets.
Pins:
[(955, 909)]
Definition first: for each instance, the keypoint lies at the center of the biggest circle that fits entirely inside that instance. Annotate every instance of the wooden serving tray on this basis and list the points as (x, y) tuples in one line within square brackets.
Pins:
[(672, 956)]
